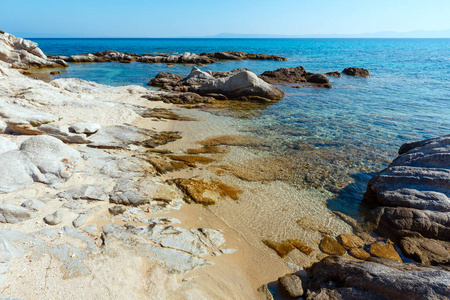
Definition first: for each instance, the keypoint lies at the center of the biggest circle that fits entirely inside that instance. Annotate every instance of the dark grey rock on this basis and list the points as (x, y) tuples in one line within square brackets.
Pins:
[(376, 279)]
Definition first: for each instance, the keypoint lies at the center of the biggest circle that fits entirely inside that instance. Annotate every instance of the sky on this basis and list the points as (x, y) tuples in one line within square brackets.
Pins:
[(199, 18)]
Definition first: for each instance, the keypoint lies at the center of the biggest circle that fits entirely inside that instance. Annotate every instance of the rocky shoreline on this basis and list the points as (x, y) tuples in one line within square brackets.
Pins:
[(87, 193), (184, 58)]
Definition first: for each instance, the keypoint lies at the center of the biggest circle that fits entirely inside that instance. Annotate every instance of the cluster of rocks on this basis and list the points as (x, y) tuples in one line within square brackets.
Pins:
[(25, 54), (185, 58), (240, 84)]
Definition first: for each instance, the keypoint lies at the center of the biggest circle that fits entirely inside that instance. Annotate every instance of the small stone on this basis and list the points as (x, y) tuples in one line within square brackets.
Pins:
[(80, 221), (291, 285), (227, 250), (350, 241), (359, 253), (33, 204), (87, 128), (55, 218), (116, 210), (331, 246), (386, 250), (214, 236), (188, 278)]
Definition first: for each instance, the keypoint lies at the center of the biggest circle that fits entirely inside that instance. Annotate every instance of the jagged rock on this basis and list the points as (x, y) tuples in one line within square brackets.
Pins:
[(23, 120), (285, 75), (54, 159), (179, 98), (291, 285), (10, 213), (119, 136), (331, 246), (62, 132), (265, 291), (86, 192), (142, 190), (165, 78), (214, 237), (197, 77), (17, 171), (360, 72), (55, 218), (342, 278), (117, 210), (243, 85), (185, 58), (426, 251), (204, 192), (87, 128), (25, 54), (6, 145), (412, 195)]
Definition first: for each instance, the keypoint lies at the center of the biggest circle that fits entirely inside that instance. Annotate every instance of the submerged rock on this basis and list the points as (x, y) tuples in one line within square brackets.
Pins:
[(331, 246)]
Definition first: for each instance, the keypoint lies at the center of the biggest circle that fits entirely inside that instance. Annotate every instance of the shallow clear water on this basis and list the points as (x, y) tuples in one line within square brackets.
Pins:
[(351, 130)]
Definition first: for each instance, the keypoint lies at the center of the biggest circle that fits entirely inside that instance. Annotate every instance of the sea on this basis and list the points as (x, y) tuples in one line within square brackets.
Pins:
[(333, 140)]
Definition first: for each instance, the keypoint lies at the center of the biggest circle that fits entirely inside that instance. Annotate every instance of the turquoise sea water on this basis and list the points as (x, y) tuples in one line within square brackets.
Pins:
[(353, 129)]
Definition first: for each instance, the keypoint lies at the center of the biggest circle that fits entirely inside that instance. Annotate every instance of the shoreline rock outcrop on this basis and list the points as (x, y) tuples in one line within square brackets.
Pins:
[(412, 198), (359, 72), (184, 58), (25, 54)]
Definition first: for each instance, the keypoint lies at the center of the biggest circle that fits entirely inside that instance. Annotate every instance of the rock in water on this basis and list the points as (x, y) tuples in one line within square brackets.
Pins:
[(243, 85), (292, 285), (319, 79), (331, 246), (412, 195), (54, 159), (342, 278), (10, 213), (360, 72)]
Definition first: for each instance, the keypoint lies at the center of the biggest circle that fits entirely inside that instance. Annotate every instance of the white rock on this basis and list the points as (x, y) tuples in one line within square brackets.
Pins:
[(33, 204), (3, 126), (79, 221), (17, 171), (54, 159), (55, 218), (10, 213), (85, 192), (6, 145), (88, 128)]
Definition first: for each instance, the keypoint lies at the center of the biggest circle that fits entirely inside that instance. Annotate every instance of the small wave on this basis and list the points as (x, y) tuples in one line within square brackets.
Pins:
[(446, 58)]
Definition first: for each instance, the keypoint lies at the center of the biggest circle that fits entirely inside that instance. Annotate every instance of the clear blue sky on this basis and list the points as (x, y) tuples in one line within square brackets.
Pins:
[(177, 18)]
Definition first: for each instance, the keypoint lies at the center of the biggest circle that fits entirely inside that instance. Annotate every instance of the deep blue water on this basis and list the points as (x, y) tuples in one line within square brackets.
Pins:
[(406, 98)]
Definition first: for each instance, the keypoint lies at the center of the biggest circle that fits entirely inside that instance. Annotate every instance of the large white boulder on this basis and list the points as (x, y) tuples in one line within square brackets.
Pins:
[(56, 160), (244, 84), (17, 171)]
